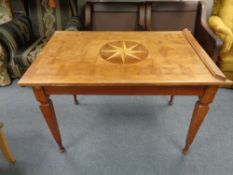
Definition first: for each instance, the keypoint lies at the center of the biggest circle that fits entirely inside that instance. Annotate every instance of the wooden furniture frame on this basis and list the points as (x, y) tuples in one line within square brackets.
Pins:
[(158, 72), (89, 11), (206, 95), (4, 146)]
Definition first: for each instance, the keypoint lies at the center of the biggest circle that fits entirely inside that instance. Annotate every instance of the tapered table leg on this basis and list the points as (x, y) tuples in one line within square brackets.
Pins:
[(46, 107), (4, 147), (200, 111), (171, 100), (75, 99)]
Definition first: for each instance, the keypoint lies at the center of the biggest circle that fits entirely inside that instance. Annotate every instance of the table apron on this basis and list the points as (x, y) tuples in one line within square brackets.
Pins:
[(126, 90)]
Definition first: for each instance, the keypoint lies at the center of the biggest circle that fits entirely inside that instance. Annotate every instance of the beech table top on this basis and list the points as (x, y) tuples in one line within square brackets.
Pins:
[(123, 58)]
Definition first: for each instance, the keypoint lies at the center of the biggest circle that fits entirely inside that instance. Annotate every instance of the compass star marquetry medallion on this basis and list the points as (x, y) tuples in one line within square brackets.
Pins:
[(123, 52)]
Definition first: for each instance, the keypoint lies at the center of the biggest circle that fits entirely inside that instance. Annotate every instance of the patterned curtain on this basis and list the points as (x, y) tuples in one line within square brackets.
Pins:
[(5, 16)]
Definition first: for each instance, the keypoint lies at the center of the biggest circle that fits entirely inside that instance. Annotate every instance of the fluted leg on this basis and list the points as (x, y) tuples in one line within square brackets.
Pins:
[(200, 111), (46, 107)]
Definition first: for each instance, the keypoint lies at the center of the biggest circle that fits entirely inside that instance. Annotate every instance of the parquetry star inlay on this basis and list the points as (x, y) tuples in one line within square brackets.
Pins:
[(123, 52)]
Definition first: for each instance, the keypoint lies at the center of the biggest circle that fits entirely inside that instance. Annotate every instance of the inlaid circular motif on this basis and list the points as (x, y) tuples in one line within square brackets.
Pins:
[(123, 52)]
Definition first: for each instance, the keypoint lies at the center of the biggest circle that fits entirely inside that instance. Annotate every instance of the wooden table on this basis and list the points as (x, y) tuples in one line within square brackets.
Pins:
[(124, 63)]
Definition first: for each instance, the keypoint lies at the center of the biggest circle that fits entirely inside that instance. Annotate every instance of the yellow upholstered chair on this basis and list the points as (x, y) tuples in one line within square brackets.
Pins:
[(4, 147), (221, 21)]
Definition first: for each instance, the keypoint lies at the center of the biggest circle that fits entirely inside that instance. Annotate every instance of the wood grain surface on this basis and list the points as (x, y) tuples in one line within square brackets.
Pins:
[(155, 58)]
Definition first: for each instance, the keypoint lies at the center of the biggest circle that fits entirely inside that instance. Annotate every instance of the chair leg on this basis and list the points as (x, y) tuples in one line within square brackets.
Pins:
[(75, 99), (5, 149), (171, 100)]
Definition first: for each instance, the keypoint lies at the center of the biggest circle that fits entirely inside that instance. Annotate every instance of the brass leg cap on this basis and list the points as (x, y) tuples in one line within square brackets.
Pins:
[(62, 150), (12, 161), (184, 151)]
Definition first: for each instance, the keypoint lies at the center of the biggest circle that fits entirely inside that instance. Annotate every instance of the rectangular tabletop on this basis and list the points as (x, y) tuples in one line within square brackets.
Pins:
[(123, 58)]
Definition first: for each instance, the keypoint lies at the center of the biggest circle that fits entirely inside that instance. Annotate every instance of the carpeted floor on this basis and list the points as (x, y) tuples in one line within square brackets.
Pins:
[(118, 135)]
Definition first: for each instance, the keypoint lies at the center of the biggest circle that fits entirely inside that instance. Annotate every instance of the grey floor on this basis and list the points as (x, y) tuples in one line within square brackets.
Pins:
[(118, 135)]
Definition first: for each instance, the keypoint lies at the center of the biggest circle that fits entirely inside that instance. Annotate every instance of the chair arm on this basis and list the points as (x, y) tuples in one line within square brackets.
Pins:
[(210, 42), (15, 33), (73, 24), (205, 36), (222, 31)]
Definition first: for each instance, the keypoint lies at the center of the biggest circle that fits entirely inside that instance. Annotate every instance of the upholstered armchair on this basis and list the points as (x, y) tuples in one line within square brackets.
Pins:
[(25, 36), (221, 21)]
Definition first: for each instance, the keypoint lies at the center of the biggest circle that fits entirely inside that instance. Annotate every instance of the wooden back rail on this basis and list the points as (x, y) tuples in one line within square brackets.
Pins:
[(88, 13)]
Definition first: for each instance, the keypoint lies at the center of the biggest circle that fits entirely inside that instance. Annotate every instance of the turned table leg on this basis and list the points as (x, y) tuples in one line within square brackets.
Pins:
[(46, 107), (75, 99), (200, 111)]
